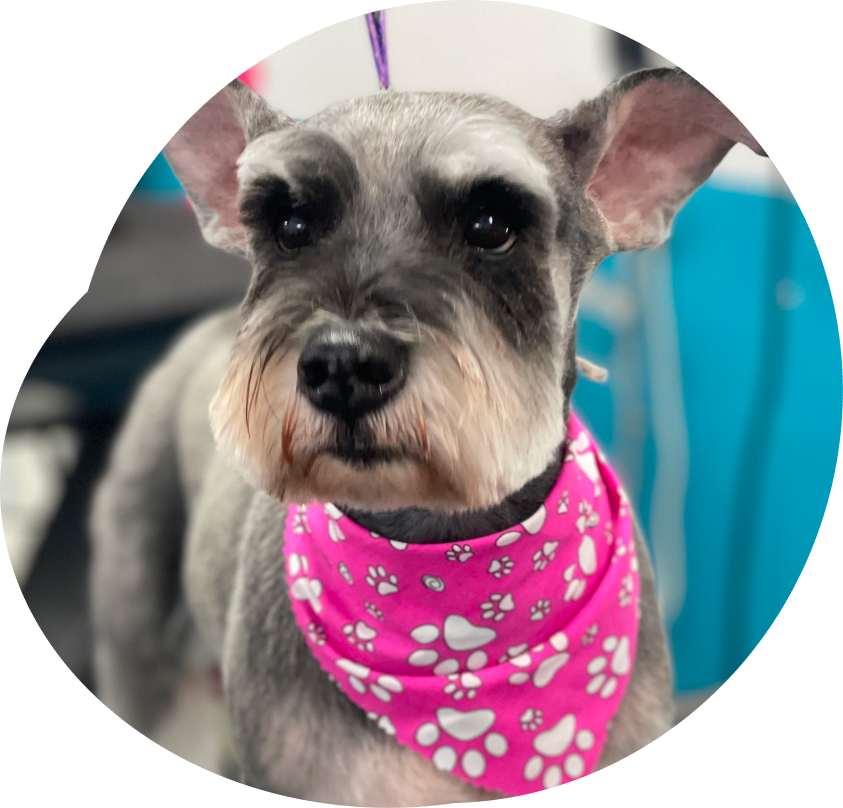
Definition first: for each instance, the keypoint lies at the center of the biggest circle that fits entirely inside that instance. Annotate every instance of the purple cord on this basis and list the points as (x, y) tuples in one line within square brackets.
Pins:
[(377, 35)]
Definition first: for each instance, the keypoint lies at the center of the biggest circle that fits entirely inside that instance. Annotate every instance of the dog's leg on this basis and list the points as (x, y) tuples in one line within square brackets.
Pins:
[(138, 526), (647, 709)]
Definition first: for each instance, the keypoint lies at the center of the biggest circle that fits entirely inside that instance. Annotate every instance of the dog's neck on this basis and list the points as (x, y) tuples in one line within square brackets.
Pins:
[(420, 526)]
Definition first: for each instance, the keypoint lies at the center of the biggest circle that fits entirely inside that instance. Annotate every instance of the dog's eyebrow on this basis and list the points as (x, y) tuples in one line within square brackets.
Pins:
[(296, 156), (484, 146)]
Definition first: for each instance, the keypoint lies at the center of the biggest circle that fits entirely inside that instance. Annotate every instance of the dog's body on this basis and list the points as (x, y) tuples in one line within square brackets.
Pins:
[(454, 433)]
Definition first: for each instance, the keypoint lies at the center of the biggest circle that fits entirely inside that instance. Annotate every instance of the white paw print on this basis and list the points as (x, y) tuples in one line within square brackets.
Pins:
[(555, 742), (384, 584), (589, 634), (335, 532), (604, 681), (343, 568), (540, 610), (382, 688), (576, 586), (360, 634), (517, 655), (541, 558), (625, 593), (316, 634), (496, 607), (587, 517), (563, 502), (304, 587), (531, 719), (462, 685), (459, 553), (300, 524), (501, 566), (383, 722), (374, 610), (609, 532), (462, 726)]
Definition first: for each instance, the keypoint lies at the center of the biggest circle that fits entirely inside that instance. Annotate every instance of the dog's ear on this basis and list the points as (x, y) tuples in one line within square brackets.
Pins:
[(643, 147), (203, 154)]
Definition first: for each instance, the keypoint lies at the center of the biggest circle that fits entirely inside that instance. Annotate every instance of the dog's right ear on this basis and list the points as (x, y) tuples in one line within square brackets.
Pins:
[(204, 152), (642, 147)]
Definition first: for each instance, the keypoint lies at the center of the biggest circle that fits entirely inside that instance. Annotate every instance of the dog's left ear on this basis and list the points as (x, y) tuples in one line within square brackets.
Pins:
[(203, 155), (643, 147)]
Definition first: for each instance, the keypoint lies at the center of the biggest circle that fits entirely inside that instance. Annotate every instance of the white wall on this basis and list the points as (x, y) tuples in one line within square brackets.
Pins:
[(541, 60)]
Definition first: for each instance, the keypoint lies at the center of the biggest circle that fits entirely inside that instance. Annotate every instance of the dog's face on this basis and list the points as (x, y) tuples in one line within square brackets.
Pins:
[(408, 337)]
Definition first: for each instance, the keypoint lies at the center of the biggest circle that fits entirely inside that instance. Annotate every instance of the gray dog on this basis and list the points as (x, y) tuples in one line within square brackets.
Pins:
[(406, 349)]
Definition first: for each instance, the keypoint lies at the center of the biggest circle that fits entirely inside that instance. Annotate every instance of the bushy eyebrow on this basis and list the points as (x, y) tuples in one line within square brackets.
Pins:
[(483, 147), (301, 159), (445, 205)]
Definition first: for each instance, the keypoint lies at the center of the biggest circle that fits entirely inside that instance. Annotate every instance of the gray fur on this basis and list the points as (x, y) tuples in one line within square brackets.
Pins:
[(188, 522)]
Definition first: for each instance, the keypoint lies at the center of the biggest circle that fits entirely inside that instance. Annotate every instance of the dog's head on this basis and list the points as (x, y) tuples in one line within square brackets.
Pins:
[(408, 337)]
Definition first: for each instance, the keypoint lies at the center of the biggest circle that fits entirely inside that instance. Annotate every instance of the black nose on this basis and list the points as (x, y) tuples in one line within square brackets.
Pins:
[(349, 371)]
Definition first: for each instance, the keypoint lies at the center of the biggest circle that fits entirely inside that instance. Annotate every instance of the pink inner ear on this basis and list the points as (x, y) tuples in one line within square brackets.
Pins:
[(667, 139), (204, 153)]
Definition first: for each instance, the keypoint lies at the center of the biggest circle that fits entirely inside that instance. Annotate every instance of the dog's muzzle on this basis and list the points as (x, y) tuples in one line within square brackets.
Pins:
[(349, 371)]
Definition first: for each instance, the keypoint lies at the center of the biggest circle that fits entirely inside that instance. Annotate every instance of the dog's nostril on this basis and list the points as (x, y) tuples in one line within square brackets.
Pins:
[(374, 371), (316, 372), (349, 371)]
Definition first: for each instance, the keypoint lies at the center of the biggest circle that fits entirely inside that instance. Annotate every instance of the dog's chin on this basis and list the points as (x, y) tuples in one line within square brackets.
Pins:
[(374, 479)]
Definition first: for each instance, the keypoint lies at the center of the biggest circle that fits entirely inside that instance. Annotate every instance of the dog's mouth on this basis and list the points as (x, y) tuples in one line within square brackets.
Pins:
[(355, 445)]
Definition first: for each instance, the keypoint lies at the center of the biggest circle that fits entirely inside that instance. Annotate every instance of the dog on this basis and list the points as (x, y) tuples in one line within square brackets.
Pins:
[(407, 350)]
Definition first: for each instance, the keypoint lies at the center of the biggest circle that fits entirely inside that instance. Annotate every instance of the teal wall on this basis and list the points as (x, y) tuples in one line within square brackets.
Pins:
[(761, 382)]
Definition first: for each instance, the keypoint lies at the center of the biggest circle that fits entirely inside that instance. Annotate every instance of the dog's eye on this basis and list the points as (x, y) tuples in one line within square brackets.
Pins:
[(490, 230), (293, 232)]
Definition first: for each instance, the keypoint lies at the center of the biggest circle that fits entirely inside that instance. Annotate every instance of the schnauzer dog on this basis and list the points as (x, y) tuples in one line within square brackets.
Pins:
[(406, 350)]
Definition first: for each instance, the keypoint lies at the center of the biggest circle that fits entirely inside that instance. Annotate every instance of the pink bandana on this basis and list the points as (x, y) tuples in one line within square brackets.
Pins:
[(501, 659)]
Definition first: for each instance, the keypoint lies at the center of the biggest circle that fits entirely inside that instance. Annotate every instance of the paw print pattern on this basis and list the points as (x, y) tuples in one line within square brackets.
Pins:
[(501, 566), (540, 610), (360, 634), (304, 587), (625, 593), (563, 502), (316, 633), (383, 722), (300, 524), (497, 606), (576, 586), (335, 532), (459, 553), (344, 571), (541, 558), (531, 719), (587, 518), (382, 688), (555, 742), (384, 584), (465, 727), (374, 611), (462, 685), (517, 655), (589, 634), (605, 672)]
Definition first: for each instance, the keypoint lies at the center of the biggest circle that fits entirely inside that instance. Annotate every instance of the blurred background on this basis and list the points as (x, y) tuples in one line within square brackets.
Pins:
[(723, 407)]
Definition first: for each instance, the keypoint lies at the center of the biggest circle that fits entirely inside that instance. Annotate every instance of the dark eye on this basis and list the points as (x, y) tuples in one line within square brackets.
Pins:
[(489, 229), (293, 232)]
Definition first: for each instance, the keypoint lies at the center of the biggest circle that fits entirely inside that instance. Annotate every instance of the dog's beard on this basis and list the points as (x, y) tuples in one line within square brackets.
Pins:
[(471, 426)]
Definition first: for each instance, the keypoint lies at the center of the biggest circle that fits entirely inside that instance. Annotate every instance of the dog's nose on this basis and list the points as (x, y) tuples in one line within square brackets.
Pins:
[(349, 371)]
